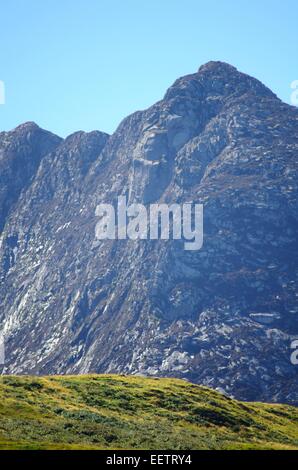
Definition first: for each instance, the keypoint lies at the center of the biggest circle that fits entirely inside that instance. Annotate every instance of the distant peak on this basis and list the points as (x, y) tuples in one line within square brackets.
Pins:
[(216, 78), (27, 126), (217, 66), (30, 128), (82, 135)]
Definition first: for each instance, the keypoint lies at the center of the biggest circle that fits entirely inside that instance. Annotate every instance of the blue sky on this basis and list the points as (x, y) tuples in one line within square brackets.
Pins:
[(86, 64)]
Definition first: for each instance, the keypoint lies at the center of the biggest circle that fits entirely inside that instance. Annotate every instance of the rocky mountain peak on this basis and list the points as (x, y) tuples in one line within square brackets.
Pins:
[(27, 127), (218, 81), (21, 151), (223, 316), (215, 66), (85, 136)]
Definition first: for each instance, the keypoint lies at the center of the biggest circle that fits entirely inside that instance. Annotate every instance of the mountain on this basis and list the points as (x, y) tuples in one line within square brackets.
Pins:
[(223, 316), (121, 412), (21, 152)]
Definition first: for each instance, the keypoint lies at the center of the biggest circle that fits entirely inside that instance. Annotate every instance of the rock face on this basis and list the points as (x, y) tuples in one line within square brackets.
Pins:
[(20, 154), (224, 316)]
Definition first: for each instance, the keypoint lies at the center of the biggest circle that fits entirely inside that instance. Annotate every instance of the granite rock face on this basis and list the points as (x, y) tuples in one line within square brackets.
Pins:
[(20, 154), (223, 316)]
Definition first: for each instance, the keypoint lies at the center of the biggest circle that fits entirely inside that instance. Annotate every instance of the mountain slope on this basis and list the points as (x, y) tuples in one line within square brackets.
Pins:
[(223, 316), (118, 412), (21, 151)]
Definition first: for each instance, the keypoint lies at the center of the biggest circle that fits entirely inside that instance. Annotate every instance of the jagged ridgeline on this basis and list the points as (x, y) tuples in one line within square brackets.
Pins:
[(223, 316)]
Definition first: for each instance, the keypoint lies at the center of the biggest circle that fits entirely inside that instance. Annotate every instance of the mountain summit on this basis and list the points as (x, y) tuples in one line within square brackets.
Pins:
[(224, 316)]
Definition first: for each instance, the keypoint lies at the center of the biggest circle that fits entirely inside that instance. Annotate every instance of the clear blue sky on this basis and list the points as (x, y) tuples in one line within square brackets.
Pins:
[(86, 64)]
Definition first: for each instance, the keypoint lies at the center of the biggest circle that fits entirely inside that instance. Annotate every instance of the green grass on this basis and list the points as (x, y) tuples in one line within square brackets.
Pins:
[(127, 412)]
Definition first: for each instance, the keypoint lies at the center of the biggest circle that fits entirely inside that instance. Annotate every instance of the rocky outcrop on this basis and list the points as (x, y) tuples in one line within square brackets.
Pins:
[(223, 316), (21, 151)]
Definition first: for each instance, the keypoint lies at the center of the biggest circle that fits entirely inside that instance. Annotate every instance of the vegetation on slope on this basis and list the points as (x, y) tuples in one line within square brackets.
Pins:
[(120, 412)]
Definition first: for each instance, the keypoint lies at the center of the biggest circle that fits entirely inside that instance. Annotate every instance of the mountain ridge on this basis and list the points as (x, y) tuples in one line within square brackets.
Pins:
[(72, 305)]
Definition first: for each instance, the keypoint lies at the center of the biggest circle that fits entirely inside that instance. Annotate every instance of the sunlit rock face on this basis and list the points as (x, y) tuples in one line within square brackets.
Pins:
[(224, 316)]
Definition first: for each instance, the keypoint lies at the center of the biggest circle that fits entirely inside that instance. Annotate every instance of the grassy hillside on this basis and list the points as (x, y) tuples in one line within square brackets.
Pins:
[(120, 412)]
